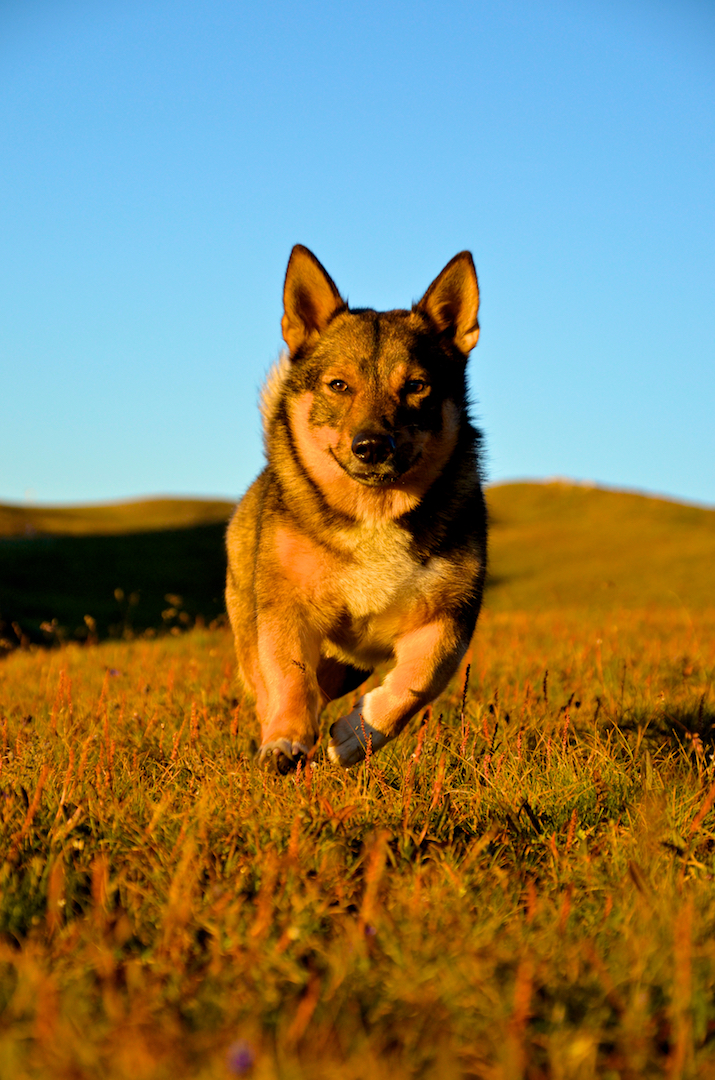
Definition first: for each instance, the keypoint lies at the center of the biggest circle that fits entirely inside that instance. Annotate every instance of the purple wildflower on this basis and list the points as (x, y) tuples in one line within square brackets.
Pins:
[(241, 1057)]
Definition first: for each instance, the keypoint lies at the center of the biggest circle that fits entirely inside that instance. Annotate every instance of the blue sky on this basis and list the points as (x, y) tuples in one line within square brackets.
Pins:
[(158, 160)]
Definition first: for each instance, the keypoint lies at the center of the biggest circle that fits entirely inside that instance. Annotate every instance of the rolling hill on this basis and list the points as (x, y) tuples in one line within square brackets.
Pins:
[(112, 519), (110, 570), (564, 545), (124, 568)]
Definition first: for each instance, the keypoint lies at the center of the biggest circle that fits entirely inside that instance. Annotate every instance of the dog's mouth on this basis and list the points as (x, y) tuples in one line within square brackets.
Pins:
[(386, 475), (373, 479)]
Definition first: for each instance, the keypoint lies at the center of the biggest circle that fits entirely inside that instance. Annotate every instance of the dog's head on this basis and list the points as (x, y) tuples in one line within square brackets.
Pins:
[(375, 401)]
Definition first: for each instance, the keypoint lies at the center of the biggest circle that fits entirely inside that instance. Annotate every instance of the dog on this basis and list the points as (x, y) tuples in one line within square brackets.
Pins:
[(364, 539)]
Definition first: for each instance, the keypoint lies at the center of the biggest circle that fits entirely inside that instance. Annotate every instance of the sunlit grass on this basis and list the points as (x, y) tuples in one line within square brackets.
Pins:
[(522, 886)]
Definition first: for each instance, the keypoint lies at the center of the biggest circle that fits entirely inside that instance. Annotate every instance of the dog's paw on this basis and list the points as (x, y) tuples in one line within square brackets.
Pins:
[(349, 737), (281, 755)]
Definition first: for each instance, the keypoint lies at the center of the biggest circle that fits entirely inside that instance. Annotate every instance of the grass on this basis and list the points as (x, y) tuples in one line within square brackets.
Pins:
[(521, 886)]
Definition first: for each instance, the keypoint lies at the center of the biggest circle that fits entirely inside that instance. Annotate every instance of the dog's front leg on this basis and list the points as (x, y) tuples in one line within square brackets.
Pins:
[(426, 659), (288, 700)]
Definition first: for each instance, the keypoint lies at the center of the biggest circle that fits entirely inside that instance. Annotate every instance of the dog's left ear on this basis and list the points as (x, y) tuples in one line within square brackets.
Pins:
[(310, 299), (452, 302)]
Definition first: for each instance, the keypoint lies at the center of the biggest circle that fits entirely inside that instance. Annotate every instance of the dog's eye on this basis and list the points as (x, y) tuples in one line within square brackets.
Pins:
[(338, 385), (414, 386)]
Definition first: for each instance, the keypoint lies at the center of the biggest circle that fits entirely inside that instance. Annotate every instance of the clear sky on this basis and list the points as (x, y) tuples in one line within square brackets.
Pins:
[(159, 158)]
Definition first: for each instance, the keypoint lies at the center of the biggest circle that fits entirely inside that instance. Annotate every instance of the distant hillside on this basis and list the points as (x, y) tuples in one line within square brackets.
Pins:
[(160, 563), (557, 545), (110, 570), (112, 519)]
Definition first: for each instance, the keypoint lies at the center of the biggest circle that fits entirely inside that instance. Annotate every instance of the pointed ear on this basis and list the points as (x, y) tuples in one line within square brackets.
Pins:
[(452, 302), (310, 299)]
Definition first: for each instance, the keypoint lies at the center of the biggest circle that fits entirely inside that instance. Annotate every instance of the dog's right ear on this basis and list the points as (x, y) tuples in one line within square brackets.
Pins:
[(310, 299)]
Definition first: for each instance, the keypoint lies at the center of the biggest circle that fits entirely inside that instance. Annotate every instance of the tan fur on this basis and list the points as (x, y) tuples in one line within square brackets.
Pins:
[(364, 539), (271, 391)]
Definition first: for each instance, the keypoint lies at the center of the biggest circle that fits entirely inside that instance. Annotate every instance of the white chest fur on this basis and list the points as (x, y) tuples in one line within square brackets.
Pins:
[(385, 574)]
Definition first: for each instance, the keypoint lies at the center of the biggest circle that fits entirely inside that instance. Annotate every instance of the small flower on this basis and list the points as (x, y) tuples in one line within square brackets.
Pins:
[(240, 1058)]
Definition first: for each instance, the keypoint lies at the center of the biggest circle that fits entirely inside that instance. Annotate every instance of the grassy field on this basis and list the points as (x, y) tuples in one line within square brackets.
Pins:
[(522, 886)]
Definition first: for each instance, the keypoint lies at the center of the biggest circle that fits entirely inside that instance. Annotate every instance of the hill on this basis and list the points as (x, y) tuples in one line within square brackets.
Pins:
[(155, 563), (112, 519), (563, 545), (110, 570)]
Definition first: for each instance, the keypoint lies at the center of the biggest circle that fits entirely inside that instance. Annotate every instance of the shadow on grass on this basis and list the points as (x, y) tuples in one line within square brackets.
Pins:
[(691, 727), (57, 588)]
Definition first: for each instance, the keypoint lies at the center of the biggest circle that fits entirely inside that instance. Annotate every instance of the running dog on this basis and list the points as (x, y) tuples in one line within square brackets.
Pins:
[(363, 541)]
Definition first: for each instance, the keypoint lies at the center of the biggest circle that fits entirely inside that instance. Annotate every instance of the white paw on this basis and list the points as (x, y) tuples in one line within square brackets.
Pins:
[(281, 755), (349, 738)]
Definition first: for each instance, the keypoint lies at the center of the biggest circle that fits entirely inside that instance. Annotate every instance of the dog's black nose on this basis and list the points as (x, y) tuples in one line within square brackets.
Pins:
[(373, 448)]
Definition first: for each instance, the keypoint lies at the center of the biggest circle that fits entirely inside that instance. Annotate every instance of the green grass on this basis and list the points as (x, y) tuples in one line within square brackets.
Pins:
[(522, 887)]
